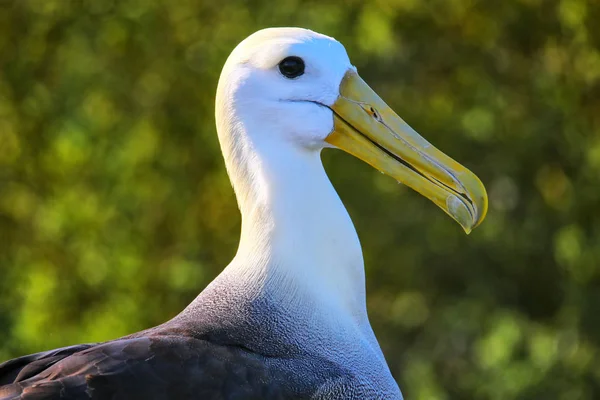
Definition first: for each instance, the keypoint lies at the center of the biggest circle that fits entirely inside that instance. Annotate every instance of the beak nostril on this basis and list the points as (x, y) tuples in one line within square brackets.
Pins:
[(375, 115), (371, 111)]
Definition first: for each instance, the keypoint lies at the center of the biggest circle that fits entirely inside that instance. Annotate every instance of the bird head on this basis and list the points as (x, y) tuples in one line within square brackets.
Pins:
[(302, 85)]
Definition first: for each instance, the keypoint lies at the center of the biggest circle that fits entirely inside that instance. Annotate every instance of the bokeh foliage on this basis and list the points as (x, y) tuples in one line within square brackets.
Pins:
[(115, 208)]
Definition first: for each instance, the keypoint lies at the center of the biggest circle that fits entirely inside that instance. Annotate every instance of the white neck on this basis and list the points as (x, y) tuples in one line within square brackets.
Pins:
[(298, 249), (297, 238)]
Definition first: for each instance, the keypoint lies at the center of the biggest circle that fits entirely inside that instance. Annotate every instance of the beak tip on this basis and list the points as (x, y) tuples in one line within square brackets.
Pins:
[(482, 209), (479, 197), (468, 217)]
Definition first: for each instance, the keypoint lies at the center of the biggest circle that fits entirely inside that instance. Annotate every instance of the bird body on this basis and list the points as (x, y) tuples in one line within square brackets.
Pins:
[(287, 318)]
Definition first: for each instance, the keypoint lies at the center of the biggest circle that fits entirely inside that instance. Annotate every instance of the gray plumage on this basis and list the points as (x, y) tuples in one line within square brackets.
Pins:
[(227, 344)]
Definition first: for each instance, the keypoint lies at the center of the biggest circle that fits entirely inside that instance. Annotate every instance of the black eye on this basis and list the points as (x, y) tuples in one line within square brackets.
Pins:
[(291, 67)]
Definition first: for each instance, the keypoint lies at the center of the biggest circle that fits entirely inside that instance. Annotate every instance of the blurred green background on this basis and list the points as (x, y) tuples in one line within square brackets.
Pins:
[(116, 210)]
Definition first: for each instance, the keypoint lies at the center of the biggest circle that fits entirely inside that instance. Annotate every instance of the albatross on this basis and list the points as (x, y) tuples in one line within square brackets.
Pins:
[(287, 318)]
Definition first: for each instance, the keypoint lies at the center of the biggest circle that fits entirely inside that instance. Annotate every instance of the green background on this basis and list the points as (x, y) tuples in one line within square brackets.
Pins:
[(116, 210)]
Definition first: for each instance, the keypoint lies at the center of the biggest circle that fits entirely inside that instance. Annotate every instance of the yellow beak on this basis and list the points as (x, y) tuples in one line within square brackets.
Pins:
[(367, 128)]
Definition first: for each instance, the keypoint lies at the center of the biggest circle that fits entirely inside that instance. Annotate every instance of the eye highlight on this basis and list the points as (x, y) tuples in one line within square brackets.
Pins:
[(291, 67)]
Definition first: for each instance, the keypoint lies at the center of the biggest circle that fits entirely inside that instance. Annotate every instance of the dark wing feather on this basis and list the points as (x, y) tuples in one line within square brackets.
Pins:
[(150, 368), (22, 368)]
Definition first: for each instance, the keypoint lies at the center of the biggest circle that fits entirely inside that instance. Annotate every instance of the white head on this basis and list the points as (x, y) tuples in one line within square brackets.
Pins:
[(287, 91), (254, 89)]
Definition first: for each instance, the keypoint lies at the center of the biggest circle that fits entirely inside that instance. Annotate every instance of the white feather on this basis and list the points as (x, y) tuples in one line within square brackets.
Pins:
[(298, 243)]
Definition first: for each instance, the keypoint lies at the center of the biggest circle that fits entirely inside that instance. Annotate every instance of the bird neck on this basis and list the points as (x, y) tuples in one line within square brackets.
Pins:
[(298, 244)]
